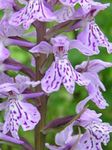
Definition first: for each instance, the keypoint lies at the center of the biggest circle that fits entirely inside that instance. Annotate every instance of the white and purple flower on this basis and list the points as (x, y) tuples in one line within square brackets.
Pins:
[(90, 70), (18, 112), (61, 70)]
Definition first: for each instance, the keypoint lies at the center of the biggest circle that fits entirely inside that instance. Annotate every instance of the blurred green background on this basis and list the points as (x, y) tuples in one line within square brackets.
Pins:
[(61, 103)]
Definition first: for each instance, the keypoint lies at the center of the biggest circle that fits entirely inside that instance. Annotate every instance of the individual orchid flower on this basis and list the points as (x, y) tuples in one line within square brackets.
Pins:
[(65, 140), (35, 9), (96, 133), (61, 70), (90, 70), (18, 111), (91, 36)]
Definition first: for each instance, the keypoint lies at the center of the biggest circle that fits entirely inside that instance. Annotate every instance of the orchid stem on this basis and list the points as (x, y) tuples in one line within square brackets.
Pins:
[(42, 101)]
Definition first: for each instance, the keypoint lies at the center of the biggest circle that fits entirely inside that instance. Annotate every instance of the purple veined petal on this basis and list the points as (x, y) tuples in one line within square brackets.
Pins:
[(68, 75), (10, 139), (93, 37), (20, 114), (65, 13), (43, 47), (60, 71), (88, 142), (30, 116), (95, 65), (9, 30), (35, 9), (4, 52), (80, 79), (100, 131), (82, 47), (52, 80), (97, 97), (89, 38)]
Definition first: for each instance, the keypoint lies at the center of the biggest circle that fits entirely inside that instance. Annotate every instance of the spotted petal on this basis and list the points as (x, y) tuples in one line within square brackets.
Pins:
[(52, 79), (92, 37), (35, 9), (20, 114), (59, 72), (95, 65)]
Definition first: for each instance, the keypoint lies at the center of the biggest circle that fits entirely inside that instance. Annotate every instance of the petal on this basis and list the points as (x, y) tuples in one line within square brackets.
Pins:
[(64, 136), (89, 116), (80, 79), (21, 82), (65, 13), (88, 38), (35, 9), (100, 131), (95, 65), (68, 75), (88, 142), (20, 114), (43, 47), (96, 96), (92, 37), (82, 47), (52, 80)]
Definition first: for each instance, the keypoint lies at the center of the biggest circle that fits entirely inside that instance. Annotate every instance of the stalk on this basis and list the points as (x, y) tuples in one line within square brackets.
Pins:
[(42, 101)]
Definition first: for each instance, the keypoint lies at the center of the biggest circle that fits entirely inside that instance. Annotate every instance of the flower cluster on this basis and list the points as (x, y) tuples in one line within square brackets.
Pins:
[(15, 91)]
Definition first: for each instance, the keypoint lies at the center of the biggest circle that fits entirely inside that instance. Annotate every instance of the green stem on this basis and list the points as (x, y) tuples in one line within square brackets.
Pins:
[(41, 102)]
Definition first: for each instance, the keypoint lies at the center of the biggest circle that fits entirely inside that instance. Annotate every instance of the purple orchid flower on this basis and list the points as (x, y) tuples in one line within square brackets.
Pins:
[(35, 9), (18, 111), (61, 70), (64, 140), (90, 70), (91, 36), (96, 133)]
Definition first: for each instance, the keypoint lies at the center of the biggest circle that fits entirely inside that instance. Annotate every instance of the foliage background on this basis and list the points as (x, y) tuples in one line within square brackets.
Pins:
[(61, 103)]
